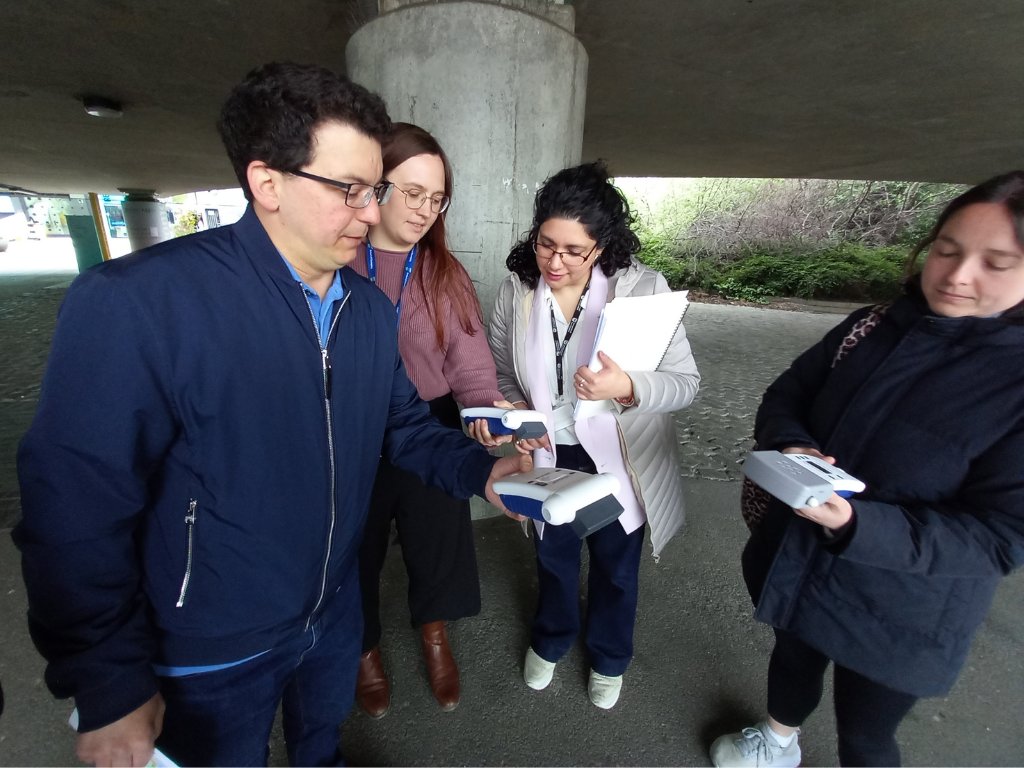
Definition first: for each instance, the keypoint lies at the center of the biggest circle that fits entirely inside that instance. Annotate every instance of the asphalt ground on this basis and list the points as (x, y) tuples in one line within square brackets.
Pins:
[(700, 663)]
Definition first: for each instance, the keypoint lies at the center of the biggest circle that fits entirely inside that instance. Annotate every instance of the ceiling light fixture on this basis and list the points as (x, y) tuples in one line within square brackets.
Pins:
[(98, 106)]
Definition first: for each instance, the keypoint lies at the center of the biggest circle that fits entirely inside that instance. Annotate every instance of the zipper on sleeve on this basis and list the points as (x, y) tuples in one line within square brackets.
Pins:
[(190, 527)]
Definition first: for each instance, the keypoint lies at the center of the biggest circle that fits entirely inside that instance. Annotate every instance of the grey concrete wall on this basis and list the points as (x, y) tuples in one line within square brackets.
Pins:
[(503, 90), (555, 11)]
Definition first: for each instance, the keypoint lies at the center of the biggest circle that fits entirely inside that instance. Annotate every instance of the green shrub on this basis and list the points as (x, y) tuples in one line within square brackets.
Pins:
[(849, 271), (732, 288), (656, 253), (186, 224), (810, 238)]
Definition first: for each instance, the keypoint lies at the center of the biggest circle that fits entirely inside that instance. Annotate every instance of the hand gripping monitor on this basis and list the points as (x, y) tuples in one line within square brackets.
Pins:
[(584, 502), (797, 479), (500, 421)]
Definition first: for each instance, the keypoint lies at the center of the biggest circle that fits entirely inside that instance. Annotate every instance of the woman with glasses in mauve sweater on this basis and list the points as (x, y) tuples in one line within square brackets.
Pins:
[(444, 348)]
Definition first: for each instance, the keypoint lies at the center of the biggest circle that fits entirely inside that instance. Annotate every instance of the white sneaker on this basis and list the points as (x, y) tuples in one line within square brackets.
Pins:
[(755, 746), (537, 672), (604, 691)]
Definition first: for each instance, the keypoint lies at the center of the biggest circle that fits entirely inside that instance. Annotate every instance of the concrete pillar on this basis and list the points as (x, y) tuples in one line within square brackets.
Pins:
[(145, 218), (502, 87)]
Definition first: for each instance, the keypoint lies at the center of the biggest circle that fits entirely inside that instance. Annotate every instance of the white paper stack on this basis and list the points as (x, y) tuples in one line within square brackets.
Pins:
[(635, 332)]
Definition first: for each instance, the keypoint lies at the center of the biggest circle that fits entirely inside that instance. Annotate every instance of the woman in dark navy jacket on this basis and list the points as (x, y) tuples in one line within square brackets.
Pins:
[(923, 400)]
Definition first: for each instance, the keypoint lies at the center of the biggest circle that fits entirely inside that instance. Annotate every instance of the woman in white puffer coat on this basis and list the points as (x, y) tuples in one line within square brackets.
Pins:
[(577, 257)]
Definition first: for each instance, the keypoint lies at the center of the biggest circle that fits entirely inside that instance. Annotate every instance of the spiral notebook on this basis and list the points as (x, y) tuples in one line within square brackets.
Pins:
[(635, 332)]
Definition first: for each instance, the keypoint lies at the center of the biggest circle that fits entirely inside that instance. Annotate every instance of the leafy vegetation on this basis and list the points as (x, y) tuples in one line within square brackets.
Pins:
[(186, 224), (752, 239), (850, 271)]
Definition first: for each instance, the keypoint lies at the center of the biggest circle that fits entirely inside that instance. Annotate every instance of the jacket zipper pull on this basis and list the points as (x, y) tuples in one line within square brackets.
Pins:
[(327, 373)]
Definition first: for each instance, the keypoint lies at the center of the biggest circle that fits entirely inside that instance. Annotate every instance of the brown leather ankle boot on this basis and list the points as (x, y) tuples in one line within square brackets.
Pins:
[(372, 690), (441, 667)]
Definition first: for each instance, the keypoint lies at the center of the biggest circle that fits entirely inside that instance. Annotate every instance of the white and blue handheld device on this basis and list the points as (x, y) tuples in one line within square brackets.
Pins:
[(797, 479), (584, 502), (501, 421)]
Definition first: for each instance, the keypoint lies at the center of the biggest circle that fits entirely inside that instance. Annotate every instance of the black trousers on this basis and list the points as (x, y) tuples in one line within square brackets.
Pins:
[(867, 713), (436, 535)]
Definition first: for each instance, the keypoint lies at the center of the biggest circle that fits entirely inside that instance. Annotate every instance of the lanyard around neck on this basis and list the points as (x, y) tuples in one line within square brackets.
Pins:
[(371, 272), (560, 347)]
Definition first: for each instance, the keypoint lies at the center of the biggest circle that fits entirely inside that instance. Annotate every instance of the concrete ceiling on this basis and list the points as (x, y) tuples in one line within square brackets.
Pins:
[(926, 90)]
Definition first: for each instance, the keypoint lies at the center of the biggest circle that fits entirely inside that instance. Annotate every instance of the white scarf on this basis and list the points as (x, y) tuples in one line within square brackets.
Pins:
[(599, 434)]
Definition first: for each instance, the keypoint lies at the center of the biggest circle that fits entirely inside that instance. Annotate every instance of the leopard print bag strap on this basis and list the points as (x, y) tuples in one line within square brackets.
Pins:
[(860, 329)]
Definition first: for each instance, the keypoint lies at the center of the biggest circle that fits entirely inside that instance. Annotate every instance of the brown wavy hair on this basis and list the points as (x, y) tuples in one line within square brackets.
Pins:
[(1006, 189), (446, 280)]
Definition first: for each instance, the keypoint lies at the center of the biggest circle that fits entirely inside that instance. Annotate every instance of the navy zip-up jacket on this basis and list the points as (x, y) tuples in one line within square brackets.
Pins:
[(929, 412), (195, 481)]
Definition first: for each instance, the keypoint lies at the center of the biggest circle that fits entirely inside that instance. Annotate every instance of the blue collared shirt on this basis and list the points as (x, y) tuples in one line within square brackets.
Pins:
[(323, 310), (163, 671)]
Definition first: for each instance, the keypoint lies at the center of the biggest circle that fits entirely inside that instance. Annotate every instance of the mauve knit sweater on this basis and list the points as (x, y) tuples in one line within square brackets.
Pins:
[(465, 366)]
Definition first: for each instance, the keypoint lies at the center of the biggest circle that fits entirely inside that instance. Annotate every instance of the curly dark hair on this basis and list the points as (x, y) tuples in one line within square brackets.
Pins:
[(583, 193), (273, 114)]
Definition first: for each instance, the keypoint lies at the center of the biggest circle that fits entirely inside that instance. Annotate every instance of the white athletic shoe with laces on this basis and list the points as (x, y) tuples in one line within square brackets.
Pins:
[(537, 672), (755, 746)]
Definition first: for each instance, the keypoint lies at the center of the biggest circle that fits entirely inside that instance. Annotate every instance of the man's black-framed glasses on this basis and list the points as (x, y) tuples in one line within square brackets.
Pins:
[(569, 258), (357, 195), (414, 199)]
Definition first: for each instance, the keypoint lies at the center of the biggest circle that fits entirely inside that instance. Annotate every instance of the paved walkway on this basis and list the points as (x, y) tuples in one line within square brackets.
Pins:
[(700, 659)]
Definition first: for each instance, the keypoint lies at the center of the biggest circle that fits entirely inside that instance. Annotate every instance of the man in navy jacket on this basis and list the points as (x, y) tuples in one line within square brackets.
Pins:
[(196, 478)]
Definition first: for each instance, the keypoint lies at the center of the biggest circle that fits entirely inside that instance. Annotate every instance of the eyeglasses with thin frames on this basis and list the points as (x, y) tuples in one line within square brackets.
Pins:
[(414, 199), (357, 195), (568, 258)]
